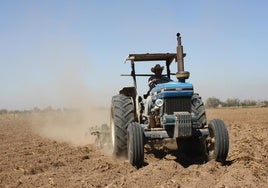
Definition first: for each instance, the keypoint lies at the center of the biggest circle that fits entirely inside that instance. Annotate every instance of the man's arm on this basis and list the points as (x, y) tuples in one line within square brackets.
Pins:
[(152, 82)]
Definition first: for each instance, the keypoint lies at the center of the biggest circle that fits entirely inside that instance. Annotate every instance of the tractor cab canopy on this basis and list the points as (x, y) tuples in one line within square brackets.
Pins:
[(181, 75), (167, 57)]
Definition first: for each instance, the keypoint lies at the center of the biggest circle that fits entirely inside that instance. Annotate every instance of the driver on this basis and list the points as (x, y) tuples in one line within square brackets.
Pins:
[(157, 78)]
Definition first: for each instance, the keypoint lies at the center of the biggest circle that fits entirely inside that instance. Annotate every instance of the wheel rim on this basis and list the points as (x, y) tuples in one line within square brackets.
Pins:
[(211, 143)]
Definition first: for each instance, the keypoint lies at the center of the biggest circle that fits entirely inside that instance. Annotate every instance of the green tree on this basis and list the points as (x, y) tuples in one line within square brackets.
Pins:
[(3, 111), (248, 103), (36, 109), (232, 102), (213, 102)]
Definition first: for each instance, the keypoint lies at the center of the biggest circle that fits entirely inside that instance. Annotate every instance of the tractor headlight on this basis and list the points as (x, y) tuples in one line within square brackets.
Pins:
[(159, 102)]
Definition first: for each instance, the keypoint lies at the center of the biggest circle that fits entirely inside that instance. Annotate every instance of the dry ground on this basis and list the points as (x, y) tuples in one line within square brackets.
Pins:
[(53, 150)]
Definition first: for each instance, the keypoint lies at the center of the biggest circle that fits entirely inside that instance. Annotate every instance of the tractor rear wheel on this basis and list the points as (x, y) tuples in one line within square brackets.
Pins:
[(122, 114), (198, 108), (218, 140)]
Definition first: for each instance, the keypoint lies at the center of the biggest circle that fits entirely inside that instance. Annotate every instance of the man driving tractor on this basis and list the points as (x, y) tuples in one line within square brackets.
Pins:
[(158, 78)]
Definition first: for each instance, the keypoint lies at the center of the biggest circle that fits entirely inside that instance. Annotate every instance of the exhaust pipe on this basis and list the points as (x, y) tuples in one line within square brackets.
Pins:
[(181, 74)]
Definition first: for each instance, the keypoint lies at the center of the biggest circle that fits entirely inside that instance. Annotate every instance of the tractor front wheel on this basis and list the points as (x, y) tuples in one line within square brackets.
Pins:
[(218, 140), (135, 144)]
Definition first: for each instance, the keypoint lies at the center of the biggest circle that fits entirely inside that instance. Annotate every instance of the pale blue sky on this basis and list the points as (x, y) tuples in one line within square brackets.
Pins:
[(71, 53)]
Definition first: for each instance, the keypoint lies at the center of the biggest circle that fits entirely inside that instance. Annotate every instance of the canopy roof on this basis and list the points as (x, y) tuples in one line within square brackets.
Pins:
[(168, 57)]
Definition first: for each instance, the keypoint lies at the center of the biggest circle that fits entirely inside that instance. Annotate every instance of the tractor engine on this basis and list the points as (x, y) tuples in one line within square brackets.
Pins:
[(167, 99)]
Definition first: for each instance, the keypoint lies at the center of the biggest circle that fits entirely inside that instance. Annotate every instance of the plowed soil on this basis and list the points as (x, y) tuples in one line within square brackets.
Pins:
[(57, 150)]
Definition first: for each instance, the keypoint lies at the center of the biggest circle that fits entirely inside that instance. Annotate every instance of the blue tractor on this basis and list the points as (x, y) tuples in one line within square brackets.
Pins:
[(175, 112)]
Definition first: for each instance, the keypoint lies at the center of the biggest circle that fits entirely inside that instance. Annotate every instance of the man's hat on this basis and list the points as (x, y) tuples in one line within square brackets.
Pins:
[(157, 67)]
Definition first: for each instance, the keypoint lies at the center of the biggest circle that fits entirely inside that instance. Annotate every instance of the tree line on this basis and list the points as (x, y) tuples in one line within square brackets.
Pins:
[(37, 110), (213, 102)]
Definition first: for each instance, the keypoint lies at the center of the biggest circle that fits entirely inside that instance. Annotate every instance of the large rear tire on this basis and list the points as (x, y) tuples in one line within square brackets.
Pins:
[(218, 141), (198, 109), (122, 114), (135, 145)]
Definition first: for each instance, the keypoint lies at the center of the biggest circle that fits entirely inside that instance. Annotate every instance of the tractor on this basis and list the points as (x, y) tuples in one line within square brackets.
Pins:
[(176, 112)]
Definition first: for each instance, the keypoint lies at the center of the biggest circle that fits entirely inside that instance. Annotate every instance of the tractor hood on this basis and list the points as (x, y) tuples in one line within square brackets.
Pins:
[(172, 89)]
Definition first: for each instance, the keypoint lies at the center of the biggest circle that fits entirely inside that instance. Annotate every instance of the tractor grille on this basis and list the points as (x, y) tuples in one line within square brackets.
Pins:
[(179, 104)]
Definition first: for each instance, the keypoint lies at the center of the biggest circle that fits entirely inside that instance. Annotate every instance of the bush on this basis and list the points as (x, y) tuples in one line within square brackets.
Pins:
[(3, 111), (232, 102), (248, 103), (213, 102)]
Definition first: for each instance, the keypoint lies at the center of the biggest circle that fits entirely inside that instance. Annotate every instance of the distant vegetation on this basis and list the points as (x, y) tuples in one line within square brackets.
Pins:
[(48, 109), (36, 110), (214, 102), (211, 102)]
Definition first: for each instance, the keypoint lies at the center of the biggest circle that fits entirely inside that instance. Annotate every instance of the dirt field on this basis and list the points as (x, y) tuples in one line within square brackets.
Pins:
[(54, 150)]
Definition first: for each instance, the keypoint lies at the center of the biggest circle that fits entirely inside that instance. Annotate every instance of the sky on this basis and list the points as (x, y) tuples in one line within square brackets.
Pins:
[(71, 53)]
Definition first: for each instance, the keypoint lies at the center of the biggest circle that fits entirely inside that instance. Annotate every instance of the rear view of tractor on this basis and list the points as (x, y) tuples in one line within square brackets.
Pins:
[(174, 111)]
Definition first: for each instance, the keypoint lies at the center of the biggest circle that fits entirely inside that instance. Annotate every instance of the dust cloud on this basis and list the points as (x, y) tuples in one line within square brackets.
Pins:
[(72, 126), (79, 112), (62, 80)]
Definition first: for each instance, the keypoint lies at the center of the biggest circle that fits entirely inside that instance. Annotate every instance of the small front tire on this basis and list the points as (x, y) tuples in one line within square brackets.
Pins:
[(218, 140), (135, 144)]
